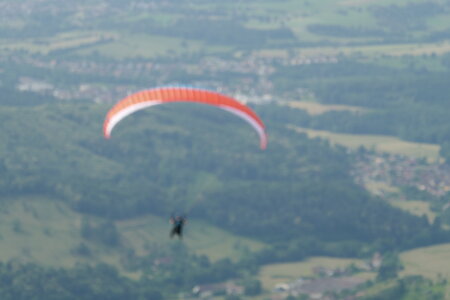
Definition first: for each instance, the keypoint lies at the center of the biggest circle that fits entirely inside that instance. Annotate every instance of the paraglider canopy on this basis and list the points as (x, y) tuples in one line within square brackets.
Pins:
[(162, 95)]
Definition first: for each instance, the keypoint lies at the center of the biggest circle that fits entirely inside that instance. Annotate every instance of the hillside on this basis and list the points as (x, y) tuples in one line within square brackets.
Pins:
[(354, 94), (156, 164), (46, 231)]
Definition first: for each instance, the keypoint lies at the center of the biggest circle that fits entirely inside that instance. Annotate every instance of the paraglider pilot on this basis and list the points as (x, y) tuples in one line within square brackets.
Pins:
[(178, 223)]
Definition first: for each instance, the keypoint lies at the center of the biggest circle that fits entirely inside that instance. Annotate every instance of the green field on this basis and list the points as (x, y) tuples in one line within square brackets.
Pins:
[(38, 230), (199, 237), (415, 207), (67, 40), (149, 46), (42, 230), (315, 108), (379, 143), (432, 262)]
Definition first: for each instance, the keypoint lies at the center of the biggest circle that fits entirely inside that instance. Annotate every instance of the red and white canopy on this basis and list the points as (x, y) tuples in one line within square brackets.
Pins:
[(147, 98)]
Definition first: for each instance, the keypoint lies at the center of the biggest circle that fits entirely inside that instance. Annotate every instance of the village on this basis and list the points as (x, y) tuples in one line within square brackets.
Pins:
[(112, 80), (394, 170), (324, 284)]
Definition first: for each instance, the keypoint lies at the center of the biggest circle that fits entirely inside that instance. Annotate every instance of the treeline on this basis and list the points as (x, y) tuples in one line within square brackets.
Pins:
[(393, 24), (404, 18)]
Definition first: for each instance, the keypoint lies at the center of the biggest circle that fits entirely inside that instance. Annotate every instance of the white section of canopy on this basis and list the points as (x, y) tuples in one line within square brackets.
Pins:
[(259, 129), (112, 122)]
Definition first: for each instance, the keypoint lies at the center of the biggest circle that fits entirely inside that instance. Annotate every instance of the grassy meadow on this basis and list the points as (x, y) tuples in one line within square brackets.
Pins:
[(200, 237), (149, 46), (379, 143), (432, 262), (36, 229), (315, 108), (415, 207), (63, 41)]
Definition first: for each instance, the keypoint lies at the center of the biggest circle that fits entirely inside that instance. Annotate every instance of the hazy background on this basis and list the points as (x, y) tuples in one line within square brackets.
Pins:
[(349, 201)]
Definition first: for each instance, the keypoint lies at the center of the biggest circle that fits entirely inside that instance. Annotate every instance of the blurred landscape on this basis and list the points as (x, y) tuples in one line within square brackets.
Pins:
[(350, 200)]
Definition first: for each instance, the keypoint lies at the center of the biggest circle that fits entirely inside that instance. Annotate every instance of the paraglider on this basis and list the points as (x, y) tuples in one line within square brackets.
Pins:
[(178, 223), (163, 95)]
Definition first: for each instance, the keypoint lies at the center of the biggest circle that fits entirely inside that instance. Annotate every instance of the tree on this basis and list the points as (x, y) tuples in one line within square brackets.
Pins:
[(252, 287), (389, 268)]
